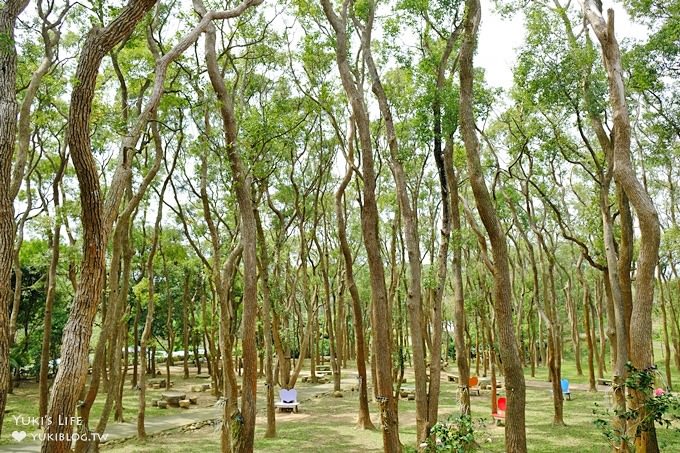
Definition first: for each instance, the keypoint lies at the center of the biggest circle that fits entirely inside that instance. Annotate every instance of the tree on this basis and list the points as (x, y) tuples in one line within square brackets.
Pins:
[(369, 226), (650, 235), (73, 371), (515, 435), (8, 129)]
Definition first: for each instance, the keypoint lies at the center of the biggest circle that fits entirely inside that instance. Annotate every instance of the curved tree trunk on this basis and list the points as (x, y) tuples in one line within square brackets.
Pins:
[(363, 417), (624, 174), (267, 321), (515, 435), (381, 316), (8, 129), (245, 433), (78, 330)]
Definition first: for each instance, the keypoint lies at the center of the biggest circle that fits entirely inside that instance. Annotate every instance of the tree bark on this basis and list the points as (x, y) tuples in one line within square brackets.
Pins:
[(624, 174), (363, 417), (267, 321), (8, 130), (381, 316), (245, 433), (43, 385), (515, 435), (78, 330)]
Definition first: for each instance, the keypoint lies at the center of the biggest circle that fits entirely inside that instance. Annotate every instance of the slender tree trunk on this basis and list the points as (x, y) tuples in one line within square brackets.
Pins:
[(43, 385), (266, 319), (641, 321), (363, 416), (148, 323), (245, 433), (590, 332), (409, 221), (458, 297), (515, 435), (666, 342), (381, 317), (185, 323), (78, 330), (8, 130)]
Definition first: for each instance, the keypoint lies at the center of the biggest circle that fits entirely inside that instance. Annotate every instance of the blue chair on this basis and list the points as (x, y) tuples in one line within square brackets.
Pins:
[(565, 388)]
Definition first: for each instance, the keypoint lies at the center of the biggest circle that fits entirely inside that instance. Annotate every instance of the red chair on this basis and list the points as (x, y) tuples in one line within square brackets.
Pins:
[(500, 415), (473, 384)]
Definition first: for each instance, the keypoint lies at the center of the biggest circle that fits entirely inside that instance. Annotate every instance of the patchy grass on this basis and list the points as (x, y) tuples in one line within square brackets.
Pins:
[(23, 405), (326, 423)]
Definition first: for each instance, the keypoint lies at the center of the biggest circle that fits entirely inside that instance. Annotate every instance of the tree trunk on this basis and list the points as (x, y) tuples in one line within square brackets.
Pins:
[(363, 417), (148, 323), (381, 317), (515, 435), (590, 332), (666, 342), (185, 323), (462, 354), (8, 129), (245, 433), (266, 319), (43, 386), (78, 330), (624, 174), (409, 221)]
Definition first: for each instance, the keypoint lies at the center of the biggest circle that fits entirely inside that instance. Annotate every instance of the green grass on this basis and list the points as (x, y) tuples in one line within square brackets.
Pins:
[(23, 405), (327, 424)]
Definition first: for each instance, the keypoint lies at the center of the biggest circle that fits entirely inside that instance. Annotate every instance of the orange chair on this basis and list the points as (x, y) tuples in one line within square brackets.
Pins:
[(500, 415), (473, 384)]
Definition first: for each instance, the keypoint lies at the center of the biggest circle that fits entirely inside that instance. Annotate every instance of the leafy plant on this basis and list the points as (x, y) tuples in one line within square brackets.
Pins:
[(456, 434), (660, 406)]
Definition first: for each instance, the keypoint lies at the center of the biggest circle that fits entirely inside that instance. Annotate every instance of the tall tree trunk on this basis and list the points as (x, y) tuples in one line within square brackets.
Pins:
[(381, 316), (590, 332), (185, 323), (267, 321), (245, 433), (8, 130), (148, 323), (666, 342), (409, 221), (462, 354), (624, 174), (363, 417), (43, 385), (78, 330), (515, 435)]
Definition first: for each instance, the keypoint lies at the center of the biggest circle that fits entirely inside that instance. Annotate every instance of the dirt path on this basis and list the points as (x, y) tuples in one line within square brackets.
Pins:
[(154, 425), (181, 417)]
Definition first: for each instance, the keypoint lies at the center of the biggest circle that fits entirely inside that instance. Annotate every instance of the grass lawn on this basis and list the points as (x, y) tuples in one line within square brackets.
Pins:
[(326, 423), (22, 405)]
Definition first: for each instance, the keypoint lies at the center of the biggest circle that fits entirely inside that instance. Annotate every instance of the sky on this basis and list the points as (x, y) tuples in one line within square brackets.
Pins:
[(500, 38)]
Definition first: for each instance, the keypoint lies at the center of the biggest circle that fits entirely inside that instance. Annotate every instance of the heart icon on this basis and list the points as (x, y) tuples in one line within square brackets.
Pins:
[(19, 435)]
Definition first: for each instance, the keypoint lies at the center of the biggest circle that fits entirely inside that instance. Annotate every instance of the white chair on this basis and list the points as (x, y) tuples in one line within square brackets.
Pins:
[(288, 399)]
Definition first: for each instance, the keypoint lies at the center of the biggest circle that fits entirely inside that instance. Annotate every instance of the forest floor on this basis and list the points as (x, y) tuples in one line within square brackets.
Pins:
[(326, 423)]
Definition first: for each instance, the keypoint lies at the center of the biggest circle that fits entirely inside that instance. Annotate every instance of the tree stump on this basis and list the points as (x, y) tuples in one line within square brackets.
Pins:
[(184, 404), (193, 399)]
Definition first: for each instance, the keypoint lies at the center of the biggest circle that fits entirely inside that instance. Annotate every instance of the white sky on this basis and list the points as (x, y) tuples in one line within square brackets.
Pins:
[(500, 38)]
